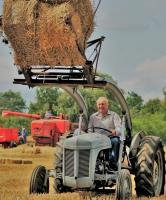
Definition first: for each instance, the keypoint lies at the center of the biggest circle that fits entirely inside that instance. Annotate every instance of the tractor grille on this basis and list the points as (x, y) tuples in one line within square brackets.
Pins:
[(69, 162), (83, 163), (83, 170)]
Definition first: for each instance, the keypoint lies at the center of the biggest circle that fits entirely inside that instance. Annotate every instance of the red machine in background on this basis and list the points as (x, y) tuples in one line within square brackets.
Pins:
[(45, 131), (9, 137), (48, 131)]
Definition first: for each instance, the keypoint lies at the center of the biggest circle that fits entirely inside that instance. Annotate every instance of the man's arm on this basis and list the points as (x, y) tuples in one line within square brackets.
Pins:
[(117, 123), (90, 125)]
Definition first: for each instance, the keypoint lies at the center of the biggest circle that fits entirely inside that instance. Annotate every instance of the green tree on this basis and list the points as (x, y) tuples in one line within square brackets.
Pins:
[(164, 92), (163, 108), (16, 122), (67, 106), (12, 101), (46, 99), (152, 106), (134, 101)]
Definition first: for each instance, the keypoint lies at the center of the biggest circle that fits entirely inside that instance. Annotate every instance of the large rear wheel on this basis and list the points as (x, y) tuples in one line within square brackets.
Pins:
[(150, 167)]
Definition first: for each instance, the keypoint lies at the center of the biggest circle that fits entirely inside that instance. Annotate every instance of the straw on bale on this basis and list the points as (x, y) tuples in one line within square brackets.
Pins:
[(53, 33)]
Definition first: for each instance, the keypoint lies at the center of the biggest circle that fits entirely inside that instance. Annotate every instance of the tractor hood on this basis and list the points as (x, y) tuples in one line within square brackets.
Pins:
[(88, 141)]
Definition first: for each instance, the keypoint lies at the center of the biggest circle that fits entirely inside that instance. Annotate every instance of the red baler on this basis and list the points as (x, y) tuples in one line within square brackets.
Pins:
[(48, 131)]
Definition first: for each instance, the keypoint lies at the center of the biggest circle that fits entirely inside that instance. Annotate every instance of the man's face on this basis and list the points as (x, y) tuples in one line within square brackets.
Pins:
[(102, 107)]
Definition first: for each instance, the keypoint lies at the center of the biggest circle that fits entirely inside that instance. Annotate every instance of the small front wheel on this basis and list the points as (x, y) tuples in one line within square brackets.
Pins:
[(123, 186), (39, 182)]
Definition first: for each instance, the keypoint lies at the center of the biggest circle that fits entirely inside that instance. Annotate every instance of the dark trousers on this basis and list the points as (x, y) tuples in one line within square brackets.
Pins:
[(114, 153)]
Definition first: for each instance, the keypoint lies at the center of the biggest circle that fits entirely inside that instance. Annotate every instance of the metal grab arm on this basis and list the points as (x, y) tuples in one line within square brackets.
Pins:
[(122, 138)]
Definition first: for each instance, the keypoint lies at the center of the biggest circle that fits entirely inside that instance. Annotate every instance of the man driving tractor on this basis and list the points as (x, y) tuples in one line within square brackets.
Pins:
[(108, 123)]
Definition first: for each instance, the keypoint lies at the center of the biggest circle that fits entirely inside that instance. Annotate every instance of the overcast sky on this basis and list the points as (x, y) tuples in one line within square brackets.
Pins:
[(134, 51)]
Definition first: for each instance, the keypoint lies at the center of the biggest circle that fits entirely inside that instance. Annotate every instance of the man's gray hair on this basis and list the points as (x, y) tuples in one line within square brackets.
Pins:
[(102, 99)]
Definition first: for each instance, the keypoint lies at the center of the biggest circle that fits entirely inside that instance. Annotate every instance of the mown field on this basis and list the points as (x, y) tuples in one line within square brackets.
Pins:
[(16, 169)]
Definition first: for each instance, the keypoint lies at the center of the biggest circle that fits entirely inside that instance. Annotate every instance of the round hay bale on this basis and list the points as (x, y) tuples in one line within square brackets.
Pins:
[(53, 34)]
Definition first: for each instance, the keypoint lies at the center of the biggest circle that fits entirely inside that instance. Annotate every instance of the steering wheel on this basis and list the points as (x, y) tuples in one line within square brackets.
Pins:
[(104, 129)]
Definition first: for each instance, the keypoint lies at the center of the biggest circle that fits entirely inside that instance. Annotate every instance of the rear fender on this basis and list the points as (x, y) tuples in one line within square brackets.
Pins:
[(135, 143)]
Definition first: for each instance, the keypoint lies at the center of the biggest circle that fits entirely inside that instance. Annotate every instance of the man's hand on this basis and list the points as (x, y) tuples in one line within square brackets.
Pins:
[(113, 132)]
